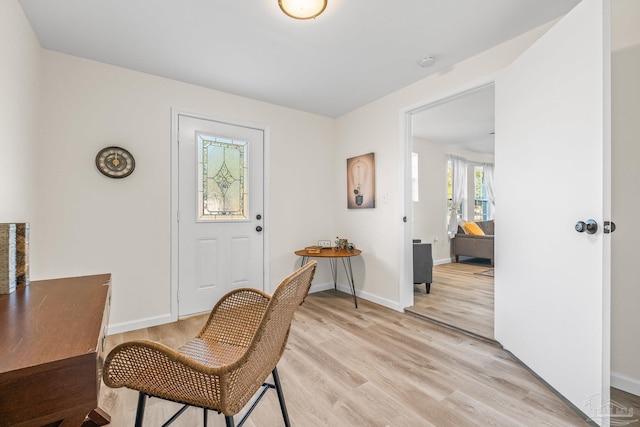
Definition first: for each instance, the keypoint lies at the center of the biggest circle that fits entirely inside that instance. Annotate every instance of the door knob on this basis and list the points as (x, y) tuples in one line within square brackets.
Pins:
[(258, 229), (590, 226), (609, 227)]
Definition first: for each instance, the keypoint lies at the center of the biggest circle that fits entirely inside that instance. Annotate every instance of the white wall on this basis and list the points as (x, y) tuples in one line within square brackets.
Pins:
[(377, 127), (625, 284), (19, 86), (94, 224), (430, 212)]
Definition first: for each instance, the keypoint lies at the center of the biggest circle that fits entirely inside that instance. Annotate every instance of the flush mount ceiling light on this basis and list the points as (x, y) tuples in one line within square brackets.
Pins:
[(302, 9)]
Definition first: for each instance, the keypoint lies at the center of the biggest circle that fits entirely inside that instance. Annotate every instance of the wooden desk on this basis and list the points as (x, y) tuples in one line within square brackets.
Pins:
[(333, 256), (51, 337)]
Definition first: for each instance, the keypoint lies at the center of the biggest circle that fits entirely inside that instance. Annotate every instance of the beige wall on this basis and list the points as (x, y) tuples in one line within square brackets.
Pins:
[(93, 224), (19, 89), (429, 212)]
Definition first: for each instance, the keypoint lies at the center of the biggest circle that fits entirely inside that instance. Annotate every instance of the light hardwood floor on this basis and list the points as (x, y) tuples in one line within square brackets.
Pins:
[(372, 366), (463, 299), (460, 297)]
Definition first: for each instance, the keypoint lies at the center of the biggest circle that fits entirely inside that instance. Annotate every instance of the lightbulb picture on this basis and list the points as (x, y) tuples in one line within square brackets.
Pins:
[(361, 182)]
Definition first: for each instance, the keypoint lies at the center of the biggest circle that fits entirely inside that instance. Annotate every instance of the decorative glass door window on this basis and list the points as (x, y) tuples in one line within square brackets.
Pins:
[(222, 184)]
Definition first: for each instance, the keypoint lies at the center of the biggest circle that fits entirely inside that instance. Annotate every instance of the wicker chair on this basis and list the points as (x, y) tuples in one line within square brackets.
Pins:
[(226, 364)]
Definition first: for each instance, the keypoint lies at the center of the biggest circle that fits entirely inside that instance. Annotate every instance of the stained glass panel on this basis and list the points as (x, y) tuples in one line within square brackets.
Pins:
[(222, 171)]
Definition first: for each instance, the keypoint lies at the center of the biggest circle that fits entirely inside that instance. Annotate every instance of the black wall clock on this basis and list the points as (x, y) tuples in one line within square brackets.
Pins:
[(115, 162)]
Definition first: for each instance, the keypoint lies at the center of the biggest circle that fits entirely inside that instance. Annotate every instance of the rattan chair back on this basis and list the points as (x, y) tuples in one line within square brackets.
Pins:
[(227, 362)]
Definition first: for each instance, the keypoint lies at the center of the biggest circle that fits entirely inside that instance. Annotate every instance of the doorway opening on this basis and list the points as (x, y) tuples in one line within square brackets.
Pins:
[(456, 131)]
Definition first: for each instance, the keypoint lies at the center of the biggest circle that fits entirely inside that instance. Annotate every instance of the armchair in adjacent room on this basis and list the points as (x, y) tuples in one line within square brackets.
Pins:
[(422, 264)]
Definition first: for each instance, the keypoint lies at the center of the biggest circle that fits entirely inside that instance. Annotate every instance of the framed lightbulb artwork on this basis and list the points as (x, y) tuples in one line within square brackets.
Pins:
[(361, 182)]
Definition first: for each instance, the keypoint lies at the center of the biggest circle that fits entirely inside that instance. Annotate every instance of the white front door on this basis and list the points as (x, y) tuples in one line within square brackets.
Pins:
[(552, 156), (220, 220)]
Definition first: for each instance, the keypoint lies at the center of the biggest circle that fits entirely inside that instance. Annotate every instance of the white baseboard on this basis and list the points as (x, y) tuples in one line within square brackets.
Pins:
[(320, 287), (119, 328), (148, 322), (443, 261), (393, 305), (624, 383)]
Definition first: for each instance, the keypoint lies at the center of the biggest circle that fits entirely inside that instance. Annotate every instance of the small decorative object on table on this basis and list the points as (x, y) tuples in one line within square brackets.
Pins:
[(313, 249), (324, 243), (344, 244)]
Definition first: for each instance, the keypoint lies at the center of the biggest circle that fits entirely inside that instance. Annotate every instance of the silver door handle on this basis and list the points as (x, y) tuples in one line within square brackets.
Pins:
[(590, 226)]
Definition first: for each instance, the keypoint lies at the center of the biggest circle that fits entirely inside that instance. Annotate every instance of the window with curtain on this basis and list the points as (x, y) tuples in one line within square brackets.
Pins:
[(481, 198), (457, 179), (450, 186)]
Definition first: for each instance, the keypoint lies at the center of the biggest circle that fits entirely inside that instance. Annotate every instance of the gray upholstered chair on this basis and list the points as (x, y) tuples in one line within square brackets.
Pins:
[(422, 264)]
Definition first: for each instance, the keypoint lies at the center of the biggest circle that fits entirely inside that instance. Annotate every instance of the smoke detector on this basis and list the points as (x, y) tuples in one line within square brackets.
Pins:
[(427, 61)]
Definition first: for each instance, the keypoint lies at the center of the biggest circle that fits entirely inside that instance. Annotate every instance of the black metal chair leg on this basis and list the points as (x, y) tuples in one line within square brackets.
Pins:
[(283, 407), (142, 399), (205, 418), (229, 421)]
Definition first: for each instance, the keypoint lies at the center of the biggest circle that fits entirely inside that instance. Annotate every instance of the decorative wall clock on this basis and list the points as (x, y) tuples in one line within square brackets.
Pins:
[(115, 162)]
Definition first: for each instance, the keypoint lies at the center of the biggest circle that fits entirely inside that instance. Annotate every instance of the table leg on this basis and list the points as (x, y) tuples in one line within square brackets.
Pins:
[(305, 259), (334, 272), (346, 262)]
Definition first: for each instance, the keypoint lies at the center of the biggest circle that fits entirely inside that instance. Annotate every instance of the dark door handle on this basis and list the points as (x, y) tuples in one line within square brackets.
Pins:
[(258, 229), (590, 226), (609, 227)]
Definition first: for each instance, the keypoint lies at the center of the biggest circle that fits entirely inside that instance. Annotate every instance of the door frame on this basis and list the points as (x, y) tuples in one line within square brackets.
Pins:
[(405, 285), (175, 114)]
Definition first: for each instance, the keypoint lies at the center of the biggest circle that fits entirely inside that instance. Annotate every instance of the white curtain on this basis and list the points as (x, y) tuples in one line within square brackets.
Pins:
[(459, 183), (489, 182)]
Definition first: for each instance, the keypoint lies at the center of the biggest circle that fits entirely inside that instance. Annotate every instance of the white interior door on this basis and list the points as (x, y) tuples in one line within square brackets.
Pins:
[(220, 172), (552, 284)]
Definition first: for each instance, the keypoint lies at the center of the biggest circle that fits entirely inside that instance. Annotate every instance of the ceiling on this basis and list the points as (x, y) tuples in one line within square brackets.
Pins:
[(355, 52), (467, 122)]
